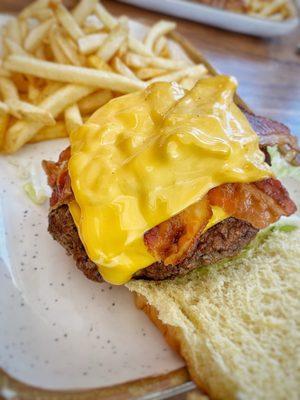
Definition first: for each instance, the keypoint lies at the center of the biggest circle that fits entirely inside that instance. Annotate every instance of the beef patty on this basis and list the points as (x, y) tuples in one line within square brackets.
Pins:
[(224, 239)]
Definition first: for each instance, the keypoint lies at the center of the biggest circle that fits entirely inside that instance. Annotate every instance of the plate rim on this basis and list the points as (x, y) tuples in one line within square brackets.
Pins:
[(282, 27)]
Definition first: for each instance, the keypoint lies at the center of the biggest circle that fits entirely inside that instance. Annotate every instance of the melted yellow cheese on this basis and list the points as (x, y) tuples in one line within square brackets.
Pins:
[(146, 156), (218, 215)]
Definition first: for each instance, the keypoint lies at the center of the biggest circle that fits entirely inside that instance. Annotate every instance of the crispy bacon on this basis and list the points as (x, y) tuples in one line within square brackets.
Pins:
[(175, 239), (260, 203), (59, 179), (273, 133)]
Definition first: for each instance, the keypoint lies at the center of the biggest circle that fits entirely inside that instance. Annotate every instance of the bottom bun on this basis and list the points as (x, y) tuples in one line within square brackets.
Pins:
[(236, 323)]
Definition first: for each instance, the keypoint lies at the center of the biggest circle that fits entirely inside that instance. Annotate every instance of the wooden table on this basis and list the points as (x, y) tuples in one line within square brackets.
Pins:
[(268, 70)]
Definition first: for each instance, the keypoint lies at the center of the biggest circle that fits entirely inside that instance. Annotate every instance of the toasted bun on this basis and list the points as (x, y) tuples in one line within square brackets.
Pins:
[(236, 323)]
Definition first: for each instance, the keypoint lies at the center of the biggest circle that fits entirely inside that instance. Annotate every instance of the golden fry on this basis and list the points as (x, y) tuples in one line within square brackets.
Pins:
[(83, 9), (37, 35), (159, 29), (108, 20), (122, 68), (23, 131), (198, 70), (148, 73), (73, 118), (138, 61), (72, 74), (4, 120), (94, 101), (13, 31), (68, 22), (8, 89), (91, 43), (112, 43), (21, 109), (49, 133)]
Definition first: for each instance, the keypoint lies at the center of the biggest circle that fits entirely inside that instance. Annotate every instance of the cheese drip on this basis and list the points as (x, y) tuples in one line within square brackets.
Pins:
[(146, 156)]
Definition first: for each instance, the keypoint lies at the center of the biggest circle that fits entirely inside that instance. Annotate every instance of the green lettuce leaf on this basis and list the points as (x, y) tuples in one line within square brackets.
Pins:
[(281, 167)]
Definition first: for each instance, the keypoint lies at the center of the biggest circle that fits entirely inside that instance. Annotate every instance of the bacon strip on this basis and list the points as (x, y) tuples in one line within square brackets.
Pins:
[(59, 179), (175, 239), (260, 203), (273, 133)]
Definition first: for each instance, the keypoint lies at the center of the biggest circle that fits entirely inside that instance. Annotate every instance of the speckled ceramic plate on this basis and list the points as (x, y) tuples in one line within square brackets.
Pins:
[(58, 329)]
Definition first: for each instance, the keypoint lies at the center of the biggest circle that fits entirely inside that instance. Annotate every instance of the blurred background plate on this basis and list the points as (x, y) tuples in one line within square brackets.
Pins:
[(219, 18)]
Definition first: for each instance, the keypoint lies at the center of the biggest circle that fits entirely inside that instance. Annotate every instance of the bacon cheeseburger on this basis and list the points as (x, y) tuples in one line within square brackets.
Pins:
[(159, 182)]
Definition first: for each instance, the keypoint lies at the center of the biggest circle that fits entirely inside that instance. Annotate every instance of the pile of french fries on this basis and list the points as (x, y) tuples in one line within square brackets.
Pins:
[(58, 66), (276, 10)]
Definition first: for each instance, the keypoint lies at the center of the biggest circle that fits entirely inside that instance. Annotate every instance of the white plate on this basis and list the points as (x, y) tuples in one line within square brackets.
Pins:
[(58, 329), (219, 18)]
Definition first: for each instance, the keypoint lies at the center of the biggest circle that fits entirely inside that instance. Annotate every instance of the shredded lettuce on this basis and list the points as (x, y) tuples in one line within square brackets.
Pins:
[(281, 167), (36, 196)]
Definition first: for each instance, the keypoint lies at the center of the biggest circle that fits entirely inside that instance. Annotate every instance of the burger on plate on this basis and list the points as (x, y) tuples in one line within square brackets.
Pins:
[(160, 182)]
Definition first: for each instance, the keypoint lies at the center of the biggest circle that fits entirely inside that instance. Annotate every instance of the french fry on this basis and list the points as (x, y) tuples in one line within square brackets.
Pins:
[(33, 92), (166, 52), (138, 47), (23, 131), (4, 73), (37, 35), (42, 14), (92, 24), (159, 29), (73, 118), (58, 54), (15, 48), (67, 48), (83, 9), (112, 43), (122, 50), (72, 74), (159, 45), (272, 8), (148, 73), (90, 43), (138, 61), (28, 11), (50, 133), (49, 89), (8, 89), (4, 121), (23, 29), (199, 70), (108, 20), (95, 100), (122, 68), (68, 22), (97, 63), (21, 109), (40, 53), (4, 109), (13, 31)]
